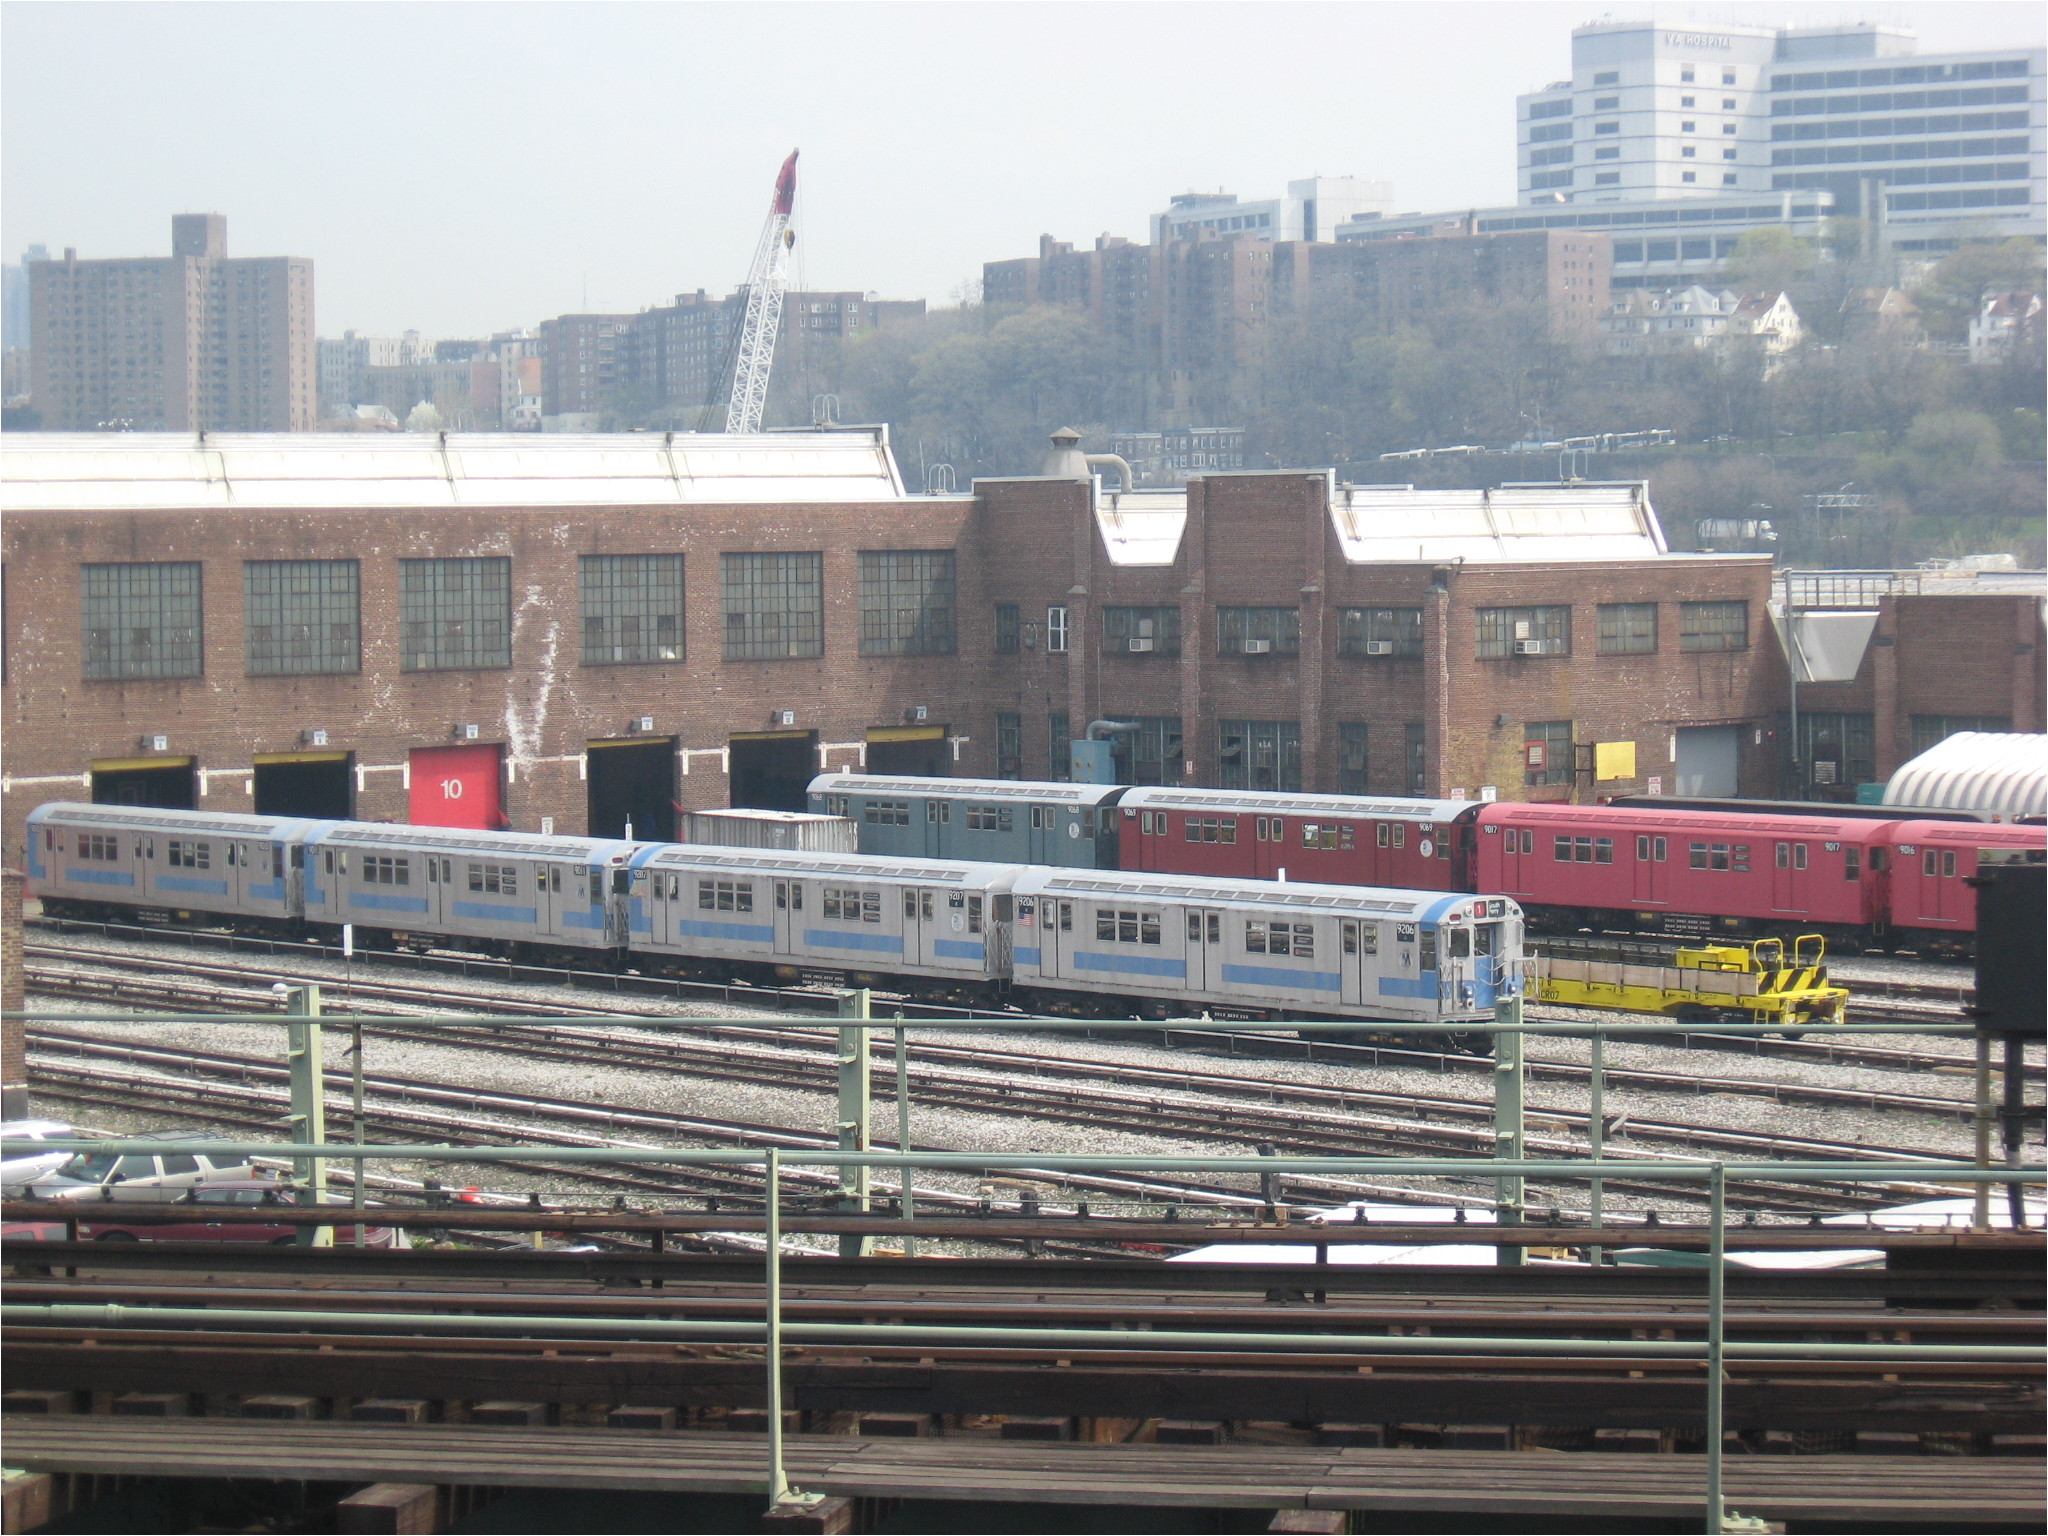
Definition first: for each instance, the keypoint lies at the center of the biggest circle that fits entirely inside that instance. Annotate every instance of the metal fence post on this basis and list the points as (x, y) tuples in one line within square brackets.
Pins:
[(1717, 1321), (908, 1198), (305, 1058), (1597, 1138), (779, 1491), (854, 1183), (359, 1199), (1980, 1215), (1508, 1120)]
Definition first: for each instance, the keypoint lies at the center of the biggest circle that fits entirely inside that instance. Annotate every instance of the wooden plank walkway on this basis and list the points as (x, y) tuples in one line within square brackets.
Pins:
[(1947, 1491)]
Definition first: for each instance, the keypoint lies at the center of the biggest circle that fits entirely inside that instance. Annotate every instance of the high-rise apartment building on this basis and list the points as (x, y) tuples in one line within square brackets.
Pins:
[(1921, 144), (196, 341)]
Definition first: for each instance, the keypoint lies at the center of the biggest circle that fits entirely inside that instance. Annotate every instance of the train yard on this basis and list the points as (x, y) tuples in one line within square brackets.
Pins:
[(581, 1309)]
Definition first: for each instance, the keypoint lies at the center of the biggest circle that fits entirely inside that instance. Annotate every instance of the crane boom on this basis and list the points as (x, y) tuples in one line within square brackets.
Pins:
[(766, 281)]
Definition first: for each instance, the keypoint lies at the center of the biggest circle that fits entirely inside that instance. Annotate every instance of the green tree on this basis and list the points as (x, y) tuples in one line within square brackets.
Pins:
[(1953, 289), (1768, 260)]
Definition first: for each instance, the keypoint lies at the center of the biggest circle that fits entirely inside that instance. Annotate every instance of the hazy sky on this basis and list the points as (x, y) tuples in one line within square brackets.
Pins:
[(460, 168)]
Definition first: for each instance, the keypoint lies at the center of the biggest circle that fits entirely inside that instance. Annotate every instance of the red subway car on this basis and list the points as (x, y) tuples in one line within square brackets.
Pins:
[(1422, 845), (1686, 872), (1933, 905)]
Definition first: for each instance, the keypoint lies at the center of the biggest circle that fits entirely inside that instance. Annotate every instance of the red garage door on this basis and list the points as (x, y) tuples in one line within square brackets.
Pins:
[(456, 787)]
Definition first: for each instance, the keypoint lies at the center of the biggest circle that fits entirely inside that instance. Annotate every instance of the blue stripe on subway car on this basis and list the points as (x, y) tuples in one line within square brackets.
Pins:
[(1401, 986), (577, 917), (958, 949), (1279, 976), (265, 890), (1140, 965), (751, 933), (492, 912), (102, 876), (825, 938), (188, 883), (1025, 954), (378, 903)]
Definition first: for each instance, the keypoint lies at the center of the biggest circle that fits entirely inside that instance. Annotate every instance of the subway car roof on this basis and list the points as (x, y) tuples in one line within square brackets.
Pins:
[(1792, 808), (851, 866), (1699, 823), (979, 789), (1969, 834), (227, 823), (442, 839), (1365, 900), (1383, 808)]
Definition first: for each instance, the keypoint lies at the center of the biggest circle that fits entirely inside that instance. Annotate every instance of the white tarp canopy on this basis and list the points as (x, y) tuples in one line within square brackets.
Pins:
[(1823, 647), (1991, 772), (1510, 524), (141, 471)]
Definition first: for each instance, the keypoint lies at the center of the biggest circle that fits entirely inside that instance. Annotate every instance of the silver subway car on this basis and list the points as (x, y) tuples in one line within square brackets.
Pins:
[(996, 821), (938, 929), (87, 859), (480, 889), (1187, 943)]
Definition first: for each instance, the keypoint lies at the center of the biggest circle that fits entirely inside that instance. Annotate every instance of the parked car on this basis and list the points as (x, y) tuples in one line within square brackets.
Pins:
[(187, 1219), (140, 1176), (17, 1172)]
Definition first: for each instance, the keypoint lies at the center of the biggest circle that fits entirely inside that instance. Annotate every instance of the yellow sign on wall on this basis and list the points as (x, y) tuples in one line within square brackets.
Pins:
[(1614, 760)]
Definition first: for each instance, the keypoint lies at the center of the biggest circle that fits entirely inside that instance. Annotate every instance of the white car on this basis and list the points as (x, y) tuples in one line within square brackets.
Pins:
[(141, 1176), (19, 1171)]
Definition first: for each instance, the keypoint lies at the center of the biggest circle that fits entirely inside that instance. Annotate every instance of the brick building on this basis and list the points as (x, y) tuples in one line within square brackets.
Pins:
[(581, 632), (1882, 665), (196, 341)]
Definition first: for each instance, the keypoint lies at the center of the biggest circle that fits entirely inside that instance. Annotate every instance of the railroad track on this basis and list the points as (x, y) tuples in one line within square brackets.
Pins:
[(46, 973), (1288, 1127)]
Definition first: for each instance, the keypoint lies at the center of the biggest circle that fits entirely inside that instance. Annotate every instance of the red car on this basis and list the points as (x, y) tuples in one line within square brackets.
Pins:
[(1387, 841), (1933, 904), (1686, 872)]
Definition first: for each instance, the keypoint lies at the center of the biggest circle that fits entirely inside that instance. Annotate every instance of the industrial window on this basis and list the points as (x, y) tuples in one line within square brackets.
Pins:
[(1141, 631), (1547, 752), (1628, 629), (849, 906), (1351, 757), (455, 614), (1209, 829), (1114, 926), (1009, 745), (142, 621), (1151, 754), (1930, 730), (725, 895), (1009, 630), (906, 602), (1524, 631), (774, 605), (302, 617), (632, 608), (1835, 749), (495, 879), (1059, 750), (1379, 632), (1056, 627), (1713, 626), (887, 813), (1258, 631), (184, 853), (989, 818), (1259, 754), (1268, 938)]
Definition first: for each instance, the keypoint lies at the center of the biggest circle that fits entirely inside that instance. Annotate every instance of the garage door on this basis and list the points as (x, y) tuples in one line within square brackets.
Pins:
[(1708, 761), (457, 787)]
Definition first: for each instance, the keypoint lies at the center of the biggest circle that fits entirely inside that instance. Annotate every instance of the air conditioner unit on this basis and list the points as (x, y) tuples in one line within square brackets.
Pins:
[(1530, 647), (1257, 647), (1379, 647), (1141, 646)]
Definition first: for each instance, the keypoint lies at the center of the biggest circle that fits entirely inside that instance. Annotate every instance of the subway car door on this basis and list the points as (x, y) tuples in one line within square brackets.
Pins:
[(1205, 949), (1652, 854), (920, 918), (1789, 863)]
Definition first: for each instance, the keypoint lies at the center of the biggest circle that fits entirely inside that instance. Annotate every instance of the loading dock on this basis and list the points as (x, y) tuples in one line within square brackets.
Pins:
[(631, 783), (458, 787), (772, 770), (164, 783), (317, 785), (917, 751)]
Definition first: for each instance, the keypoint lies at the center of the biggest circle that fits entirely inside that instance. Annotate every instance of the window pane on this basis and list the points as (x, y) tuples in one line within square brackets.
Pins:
[(1547, 752), (1351, 757), (632, 608), (1152, 754), (1379, 632), (906, 602), (1713, 626), (1628, 629), (1141, 631), (774, 605), (302, 617), (455, 613), (1253, 631), (142, 620), (1259, 754), (1524, 631)]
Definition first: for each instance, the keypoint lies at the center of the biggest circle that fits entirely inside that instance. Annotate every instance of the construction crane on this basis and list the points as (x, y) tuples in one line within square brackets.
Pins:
[(767, 280)]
